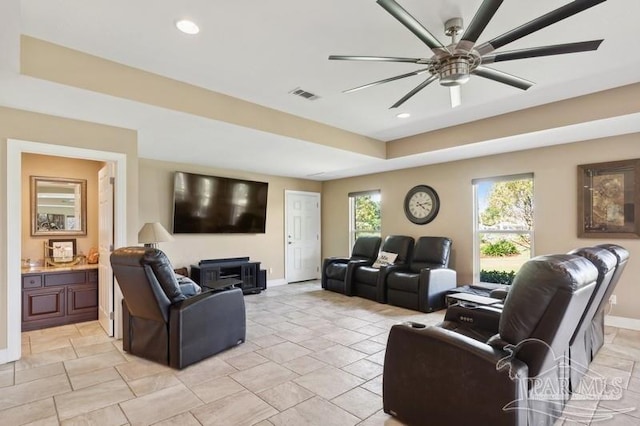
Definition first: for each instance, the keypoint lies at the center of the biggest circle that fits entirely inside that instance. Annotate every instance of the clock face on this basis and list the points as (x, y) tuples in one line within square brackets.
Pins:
[(421, 204)]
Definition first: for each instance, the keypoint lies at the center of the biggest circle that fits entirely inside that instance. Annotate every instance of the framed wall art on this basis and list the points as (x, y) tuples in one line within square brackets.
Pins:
[(62, 250), (609, 199)]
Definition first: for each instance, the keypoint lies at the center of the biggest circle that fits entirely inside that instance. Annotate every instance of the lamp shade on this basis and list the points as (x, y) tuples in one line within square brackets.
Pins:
[(152, 233)]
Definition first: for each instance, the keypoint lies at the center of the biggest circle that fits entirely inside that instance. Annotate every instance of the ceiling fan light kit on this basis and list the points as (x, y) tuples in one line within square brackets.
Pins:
[(454, 71), (453, 65)]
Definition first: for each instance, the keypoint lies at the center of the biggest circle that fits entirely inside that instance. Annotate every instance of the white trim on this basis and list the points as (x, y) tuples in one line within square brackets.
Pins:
[(622, 322), (13, 252), (15, 148), (476, 219)]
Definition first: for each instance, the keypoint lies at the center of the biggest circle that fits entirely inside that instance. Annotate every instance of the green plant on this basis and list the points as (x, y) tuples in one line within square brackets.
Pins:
[(500, 277), (499, 249)]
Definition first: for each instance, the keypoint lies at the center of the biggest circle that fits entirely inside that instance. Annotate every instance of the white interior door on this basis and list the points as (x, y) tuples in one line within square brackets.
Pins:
[(302, 235), (105, 247)]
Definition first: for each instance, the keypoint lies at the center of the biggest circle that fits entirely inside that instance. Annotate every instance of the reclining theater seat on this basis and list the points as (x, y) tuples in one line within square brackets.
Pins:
[(161, 323), (597, 325), (580, 346), (424, 285), (369, 282), (481, 322), (334, 269), (434, 375)]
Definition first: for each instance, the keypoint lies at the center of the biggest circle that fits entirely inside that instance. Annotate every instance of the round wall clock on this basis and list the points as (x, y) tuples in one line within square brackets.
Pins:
[(421, 204)]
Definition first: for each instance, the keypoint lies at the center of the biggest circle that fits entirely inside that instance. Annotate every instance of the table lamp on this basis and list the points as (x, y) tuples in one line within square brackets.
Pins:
[(153, 233)]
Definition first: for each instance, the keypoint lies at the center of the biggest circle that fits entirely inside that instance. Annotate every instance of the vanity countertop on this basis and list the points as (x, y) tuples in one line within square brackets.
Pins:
[(41, 269)]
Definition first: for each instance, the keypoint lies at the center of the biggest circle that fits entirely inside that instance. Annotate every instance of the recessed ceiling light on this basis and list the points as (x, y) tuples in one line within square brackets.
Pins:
[(187, 26), (403, 115)]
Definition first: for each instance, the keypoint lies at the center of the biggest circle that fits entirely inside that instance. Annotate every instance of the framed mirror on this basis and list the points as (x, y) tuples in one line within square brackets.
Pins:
[(58, 206)]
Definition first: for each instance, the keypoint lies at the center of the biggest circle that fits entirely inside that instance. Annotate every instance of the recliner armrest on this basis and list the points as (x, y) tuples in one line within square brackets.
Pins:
[(351, 267), (448, 375), (486, 318), (336, 259), (499, 293), (328, 261), (434, 284), (205, 324)]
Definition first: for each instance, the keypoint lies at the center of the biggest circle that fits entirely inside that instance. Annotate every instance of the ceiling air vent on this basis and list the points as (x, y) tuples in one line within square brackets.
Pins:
[(304, 94)]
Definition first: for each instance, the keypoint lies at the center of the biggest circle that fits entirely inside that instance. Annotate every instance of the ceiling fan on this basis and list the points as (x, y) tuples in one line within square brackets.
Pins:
[(453, 65)]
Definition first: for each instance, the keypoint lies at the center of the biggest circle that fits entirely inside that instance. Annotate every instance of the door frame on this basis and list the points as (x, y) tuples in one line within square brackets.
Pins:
[(106, 318), (15, 149), (287, 193)]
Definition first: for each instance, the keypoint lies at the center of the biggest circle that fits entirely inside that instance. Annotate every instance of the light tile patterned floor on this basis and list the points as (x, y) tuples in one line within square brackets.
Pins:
[(312, 357)]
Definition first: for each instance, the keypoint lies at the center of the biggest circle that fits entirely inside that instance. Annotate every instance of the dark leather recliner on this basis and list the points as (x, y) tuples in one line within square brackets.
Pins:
[(369, 282), (580, 346), (482, 321), (161, 323), (335, 269), (424, 285), (597, 325), (435, 375)]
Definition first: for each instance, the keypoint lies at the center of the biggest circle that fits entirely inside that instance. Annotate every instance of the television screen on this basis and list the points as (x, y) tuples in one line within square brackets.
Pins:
[(213, 205)]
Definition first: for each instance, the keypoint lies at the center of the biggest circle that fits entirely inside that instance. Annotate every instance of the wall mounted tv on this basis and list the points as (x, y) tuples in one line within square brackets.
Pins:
[(218, 205)]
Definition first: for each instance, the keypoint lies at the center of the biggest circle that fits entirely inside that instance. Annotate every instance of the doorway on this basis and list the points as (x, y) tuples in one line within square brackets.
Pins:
[(302, 236), (15, 149)]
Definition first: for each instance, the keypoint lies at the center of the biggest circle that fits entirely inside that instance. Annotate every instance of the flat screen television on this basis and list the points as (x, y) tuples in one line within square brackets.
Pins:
[(218, 205)]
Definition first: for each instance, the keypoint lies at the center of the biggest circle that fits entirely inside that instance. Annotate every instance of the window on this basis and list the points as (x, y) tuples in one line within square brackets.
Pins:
[(364, 215), (503, 226)]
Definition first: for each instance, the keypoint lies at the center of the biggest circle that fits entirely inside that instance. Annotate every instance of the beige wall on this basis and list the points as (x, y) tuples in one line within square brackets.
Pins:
[(44, 60), (60, 167), (34, 127), (156, 198), (555, 182)]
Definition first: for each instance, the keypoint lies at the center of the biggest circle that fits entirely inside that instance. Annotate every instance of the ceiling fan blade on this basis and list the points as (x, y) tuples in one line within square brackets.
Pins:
[(484, 14), (456, 96), (543, 21), (413, 25), (557, 49), (379, 59), (503, 77), (418, 88), (387, 80)]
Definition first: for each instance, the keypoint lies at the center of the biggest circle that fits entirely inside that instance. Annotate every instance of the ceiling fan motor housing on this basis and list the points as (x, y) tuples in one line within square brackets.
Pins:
[(454, 71)]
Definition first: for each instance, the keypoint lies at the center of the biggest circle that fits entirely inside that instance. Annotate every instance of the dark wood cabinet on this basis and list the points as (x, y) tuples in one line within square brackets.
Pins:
[(52, 298), (252, 277)]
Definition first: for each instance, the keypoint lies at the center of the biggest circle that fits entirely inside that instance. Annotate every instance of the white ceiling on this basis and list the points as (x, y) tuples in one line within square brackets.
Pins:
[(260, 50)]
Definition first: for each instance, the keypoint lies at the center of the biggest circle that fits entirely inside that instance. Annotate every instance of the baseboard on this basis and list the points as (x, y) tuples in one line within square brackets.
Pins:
[(622, 322), (275, 283)]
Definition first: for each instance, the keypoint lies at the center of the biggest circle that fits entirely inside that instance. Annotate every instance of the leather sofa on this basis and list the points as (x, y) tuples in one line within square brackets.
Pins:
[(436, 375), (161, 323), (423, 285), (369, 282), (336, 271)]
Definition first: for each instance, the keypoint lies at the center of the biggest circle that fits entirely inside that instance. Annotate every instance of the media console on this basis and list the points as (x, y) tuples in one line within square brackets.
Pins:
[(254, 279)]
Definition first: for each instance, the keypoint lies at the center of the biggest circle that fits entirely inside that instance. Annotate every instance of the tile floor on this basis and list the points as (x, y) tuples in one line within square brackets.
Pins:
[(312, 357)]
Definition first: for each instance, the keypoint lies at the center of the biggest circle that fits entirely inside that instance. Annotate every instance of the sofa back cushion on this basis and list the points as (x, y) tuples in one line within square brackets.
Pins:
[(163, 272), (143, 299), (402, 245), (366, 248), (431, 252)]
